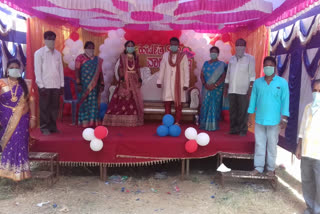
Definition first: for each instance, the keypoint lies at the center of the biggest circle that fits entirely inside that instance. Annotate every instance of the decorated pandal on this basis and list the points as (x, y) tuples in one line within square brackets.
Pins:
[(129, 146), (199, 25)]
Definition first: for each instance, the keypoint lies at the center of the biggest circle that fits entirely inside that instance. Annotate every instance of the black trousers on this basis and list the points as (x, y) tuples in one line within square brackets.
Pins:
[(238, 113), (49, 108)]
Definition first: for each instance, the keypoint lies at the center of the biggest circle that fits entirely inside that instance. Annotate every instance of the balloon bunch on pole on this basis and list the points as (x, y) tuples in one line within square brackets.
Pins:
[(168, 128), (195, 139), (95, 137)]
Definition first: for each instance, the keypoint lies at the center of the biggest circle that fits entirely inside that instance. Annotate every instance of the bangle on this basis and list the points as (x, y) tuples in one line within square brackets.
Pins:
[(33, 117), (250, 86), (285, 120)]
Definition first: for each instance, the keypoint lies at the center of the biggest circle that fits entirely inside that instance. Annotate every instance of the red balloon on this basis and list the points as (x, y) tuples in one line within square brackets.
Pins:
[(225, 38), (100, 132), (191, 146), (74, 36)]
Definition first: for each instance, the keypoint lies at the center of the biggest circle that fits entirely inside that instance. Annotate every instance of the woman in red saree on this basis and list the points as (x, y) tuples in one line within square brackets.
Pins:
[(126, 105)]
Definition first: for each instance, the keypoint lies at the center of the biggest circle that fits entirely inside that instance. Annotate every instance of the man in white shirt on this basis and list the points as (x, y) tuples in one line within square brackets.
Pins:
[(48, 70), (174, 78), (238, 85), (308, 150)]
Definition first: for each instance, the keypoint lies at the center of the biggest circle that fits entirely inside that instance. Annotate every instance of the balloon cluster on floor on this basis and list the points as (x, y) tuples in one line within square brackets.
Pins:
[(95, 137), (168, 128), (195, 139)]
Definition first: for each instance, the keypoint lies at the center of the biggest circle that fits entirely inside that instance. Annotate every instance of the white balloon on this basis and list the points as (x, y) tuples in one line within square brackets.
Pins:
[(190, 133), (69, 43), (96, 145), (112, 34), (72, 65), (66, 50), (74, 50), (120, 32), (203, 139), (67, 58), (78, 44), (88, 134)]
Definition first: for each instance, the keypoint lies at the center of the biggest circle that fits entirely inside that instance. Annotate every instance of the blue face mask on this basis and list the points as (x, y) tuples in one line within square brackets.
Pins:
[(174, 48), (14, 72), (268, 70), (130, 49), (213, 56), (316, 102)]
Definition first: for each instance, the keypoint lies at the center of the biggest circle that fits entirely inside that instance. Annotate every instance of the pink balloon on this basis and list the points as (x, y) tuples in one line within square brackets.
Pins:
[(100, 132), (191, 146)]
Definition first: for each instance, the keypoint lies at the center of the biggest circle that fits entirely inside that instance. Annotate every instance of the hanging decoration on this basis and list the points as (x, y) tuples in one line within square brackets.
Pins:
[(110, 51), (72, 49)]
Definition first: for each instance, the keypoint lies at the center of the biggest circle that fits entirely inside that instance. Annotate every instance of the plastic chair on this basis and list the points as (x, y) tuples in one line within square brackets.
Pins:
[(68, 98)]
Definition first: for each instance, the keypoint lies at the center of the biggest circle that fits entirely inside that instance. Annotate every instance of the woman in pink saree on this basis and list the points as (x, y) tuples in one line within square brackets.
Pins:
[(126, 105)]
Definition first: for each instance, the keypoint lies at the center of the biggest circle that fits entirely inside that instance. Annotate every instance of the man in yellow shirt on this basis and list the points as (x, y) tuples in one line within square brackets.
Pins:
[(308, 150)]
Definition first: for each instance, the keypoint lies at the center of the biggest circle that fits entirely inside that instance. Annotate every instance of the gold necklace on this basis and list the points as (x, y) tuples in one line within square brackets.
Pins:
[(133, 65), (14, 97)]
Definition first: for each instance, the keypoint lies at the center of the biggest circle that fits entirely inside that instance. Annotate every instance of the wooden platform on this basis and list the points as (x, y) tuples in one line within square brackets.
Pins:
[(52, 159)]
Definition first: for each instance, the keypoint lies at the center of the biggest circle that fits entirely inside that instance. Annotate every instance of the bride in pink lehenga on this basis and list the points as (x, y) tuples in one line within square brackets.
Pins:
[(126, 105)]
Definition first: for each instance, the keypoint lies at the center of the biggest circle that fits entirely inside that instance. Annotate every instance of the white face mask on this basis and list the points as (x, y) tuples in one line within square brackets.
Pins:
[(49, 43), (14, 72), (240, 51), (316, 102), (89, 52)]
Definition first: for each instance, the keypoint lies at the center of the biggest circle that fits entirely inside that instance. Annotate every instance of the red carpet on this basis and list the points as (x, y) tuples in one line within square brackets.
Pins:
[(136, 145)]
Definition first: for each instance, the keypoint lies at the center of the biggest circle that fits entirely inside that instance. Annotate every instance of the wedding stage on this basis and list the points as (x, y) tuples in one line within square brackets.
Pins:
[(135, 146)]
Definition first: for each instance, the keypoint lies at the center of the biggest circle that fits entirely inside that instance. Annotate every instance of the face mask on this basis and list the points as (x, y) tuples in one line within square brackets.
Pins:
[(14, 72), (174, 48), (213, 56), (130, 49), (49, 43), (316, 102), (89, 52), (240, 51), (268, 70)]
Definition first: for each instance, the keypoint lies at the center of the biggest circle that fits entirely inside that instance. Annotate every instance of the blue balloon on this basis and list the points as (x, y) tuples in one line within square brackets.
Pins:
[(103, 109), (168, 120), (162, 131), (174, 130)]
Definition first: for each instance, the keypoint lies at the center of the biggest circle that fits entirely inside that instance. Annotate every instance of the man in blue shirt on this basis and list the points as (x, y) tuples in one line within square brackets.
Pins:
[(270, 101)]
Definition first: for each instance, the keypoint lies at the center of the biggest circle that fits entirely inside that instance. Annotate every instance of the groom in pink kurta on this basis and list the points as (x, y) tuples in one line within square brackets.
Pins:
[(174, 78)]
